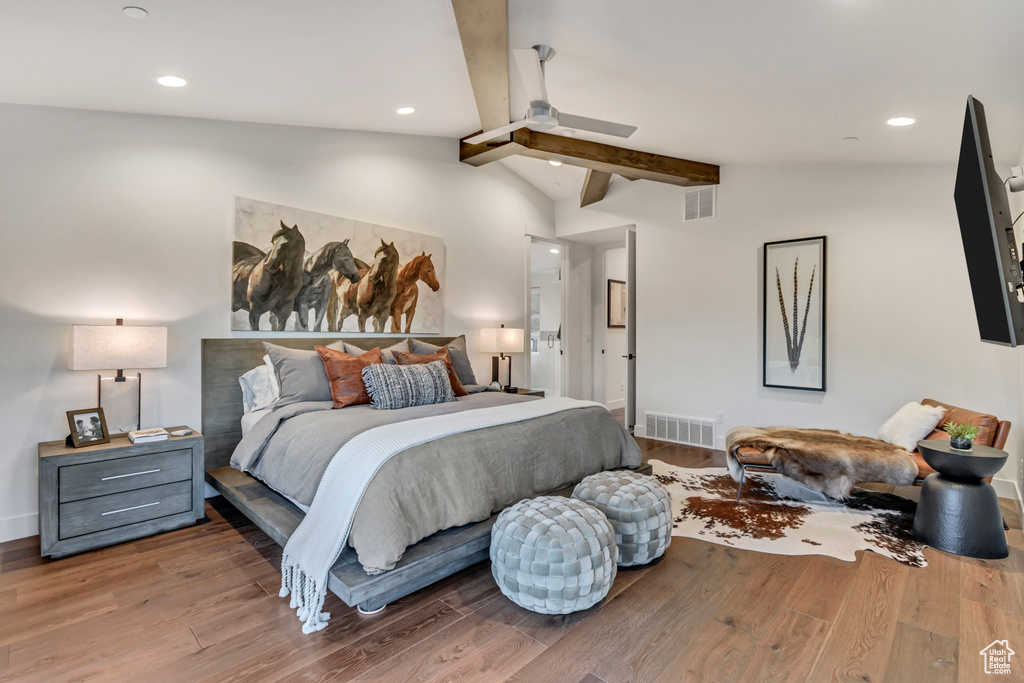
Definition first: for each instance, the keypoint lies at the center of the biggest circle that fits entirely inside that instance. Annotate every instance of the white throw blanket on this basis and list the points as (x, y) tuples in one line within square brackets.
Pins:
[(321, 536)]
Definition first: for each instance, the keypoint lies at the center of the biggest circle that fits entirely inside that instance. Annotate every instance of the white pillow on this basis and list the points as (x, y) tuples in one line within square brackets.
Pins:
[(910, 424), (259, 387)]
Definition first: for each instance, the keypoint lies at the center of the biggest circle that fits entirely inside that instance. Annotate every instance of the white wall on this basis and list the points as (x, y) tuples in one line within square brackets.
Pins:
[(113, 215), (896, 275)]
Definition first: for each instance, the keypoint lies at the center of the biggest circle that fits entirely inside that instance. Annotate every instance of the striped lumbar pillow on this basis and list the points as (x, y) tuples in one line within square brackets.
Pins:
[(401, 386)]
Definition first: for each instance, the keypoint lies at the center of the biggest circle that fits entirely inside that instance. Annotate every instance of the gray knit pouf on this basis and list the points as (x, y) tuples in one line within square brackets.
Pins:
[(639, 508), (553, 555)]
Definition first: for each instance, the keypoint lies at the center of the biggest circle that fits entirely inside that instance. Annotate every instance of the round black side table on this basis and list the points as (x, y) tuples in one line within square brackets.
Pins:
[(959, 511)]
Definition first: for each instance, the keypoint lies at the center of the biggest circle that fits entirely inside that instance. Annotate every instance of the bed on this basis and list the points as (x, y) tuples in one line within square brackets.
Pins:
[(548, 455)]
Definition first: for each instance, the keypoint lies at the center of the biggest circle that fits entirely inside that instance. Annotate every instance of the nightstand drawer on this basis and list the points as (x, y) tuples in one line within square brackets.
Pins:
[(106, 512), (124, 474)]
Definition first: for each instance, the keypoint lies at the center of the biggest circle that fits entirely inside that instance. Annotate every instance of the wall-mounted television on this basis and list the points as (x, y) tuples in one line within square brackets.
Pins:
[(986, 228)]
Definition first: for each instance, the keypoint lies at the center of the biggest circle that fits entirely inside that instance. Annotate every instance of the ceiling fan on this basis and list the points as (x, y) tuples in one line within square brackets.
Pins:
[(541, 116)]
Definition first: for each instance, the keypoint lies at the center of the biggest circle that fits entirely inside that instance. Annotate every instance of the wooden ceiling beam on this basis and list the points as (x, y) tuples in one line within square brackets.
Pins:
[(483, 29), (595, 185), (630, 163), (611, 159)]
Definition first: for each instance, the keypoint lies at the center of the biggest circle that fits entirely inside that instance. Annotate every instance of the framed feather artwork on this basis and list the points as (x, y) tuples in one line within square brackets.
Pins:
[(794, 314)]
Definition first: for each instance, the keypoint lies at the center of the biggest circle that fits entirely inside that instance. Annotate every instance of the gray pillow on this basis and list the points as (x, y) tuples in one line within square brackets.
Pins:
[(389, 358), (300, 374), (458, 353), (401, 386)]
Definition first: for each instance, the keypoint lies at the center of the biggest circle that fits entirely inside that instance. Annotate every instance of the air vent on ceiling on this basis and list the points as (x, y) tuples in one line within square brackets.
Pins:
[(687, 430), (700, 203)]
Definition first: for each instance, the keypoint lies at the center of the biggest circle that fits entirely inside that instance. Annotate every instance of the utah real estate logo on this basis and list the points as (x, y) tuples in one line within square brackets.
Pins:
[(997, 657)]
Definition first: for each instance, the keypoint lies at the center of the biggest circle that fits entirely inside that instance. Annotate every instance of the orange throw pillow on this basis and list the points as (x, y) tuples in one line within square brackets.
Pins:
[(441, 354), (345, 373)]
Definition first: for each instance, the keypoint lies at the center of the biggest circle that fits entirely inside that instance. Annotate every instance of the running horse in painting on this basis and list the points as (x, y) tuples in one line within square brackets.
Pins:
[(373, 295), (264, 283), (408, 291), (323, 269)]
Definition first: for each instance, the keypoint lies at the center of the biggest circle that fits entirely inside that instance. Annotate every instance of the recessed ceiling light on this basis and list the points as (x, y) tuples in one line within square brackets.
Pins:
[(405, 110), (557, 184), (569, 133), (851, 138), (902, 121), (135, 12), (554, 251), (172, 81), (554, 163)]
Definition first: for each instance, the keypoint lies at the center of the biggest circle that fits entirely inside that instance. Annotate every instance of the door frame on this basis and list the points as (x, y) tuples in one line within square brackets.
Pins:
[(563, 263)]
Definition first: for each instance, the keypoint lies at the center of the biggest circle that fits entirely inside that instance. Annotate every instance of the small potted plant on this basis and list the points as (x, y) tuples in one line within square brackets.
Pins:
[(961, 436)]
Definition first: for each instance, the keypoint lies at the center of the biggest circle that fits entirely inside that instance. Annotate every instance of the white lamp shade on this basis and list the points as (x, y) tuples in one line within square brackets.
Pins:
[(501, 340), (116, 347)]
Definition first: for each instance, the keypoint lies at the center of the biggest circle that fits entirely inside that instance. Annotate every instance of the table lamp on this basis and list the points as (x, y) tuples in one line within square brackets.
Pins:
[(115, 347), (501, 340)]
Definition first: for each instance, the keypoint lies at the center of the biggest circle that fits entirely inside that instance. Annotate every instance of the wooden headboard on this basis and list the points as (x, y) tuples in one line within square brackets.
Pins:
[(225, 360)]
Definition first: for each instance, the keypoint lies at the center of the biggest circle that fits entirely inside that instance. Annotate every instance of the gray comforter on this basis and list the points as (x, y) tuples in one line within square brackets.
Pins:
[(445, 483)]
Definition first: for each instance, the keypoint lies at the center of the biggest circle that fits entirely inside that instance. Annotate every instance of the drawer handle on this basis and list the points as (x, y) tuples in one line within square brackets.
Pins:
[(133, 474), (114, 512)]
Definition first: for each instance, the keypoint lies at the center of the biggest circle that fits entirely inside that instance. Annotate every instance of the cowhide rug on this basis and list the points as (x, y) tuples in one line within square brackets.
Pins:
[(775, 516)]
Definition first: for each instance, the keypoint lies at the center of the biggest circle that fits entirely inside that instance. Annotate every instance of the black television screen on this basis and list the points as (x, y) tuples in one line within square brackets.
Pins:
[(987, 232)]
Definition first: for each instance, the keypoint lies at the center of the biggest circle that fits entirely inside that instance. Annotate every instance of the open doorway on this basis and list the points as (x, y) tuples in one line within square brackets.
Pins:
[(546, 306), (613, 296)]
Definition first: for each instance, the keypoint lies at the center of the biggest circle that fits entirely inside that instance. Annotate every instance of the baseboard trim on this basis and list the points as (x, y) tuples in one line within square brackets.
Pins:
[(1008, 489), (21, 526), (616, 404)]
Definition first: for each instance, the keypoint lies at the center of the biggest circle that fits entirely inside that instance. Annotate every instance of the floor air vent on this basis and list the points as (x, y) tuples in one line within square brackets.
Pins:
[(690, 431)]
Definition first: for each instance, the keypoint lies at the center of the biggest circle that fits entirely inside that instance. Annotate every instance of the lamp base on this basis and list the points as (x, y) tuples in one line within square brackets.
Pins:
[(120, 398)]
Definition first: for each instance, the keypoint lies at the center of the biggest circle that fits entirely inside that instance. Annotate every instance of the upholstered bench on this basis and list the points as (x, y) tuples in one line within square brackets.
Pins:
[(553, 555), (639, 508), (992, 432)]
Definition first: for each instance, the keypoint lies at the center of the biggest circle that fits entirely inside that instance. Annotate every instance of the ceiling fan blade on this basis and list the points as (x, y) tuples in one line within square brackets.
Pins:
[(484, 137), (595, 125), (530, 73)]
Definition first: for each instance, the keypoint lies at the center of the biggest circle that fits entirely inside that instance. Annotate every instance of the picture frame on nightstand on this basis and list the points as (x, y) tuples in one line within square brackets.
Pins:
[(88, 427)]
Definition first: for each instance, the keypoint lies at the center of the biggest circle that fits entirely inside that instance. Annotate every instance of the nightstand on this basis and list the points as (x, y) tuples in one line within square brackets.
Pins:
[(110, 493), (521, 391)]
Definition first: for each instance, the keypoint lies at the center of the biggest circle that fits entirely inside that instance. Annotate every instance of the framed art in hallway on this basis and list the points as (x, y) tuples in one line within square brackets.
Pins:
[(794, 314), (616, 303)]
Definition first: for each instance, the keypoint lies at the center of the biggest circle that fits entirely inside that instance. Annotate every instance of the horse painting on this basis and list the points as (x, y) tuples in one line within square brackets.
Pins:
[(333, 257), (408, 291), (270, 282), (373, 295)]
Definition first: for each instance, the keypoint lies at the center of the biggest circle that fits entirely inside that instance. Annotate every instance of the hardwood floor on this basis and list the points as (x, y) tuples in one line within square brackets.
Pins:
[(201, 604)]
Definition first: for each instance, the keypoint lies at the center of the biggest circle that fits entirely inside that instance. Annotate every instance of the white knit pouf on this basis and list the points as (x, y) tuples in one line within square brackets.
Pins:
[(553, 555), (639, 508)]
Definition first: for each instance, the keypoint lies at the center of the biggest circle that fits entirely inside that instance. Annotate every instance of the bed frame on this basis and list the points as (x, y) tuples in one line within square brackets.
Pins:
[(432, 559)]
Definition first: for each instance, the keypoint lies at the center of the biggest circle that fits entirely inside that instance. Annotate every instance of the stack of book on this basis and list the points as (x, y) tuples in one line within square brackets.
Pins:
[(147, 435)]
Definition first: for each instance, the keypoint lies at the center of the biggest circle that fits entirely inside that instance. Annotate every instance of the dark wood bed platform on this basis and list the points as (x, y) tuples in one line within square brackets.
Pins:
[(432, 559)]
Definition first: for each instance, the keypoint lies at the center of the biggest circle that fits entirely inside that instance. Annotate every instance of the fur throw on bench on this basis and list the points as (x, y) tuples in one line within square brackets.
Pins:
[(823, 459)]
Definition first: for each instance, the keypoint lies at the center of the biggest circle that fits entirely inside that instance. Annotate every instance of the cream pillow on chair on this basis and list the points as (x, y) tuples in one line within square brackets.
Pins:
[(910, 424)]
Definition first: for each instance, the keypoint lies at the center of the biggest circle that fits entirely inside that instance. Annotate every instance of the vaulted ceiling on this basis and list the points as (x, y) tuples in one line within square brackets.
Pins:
[(730, 82)]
